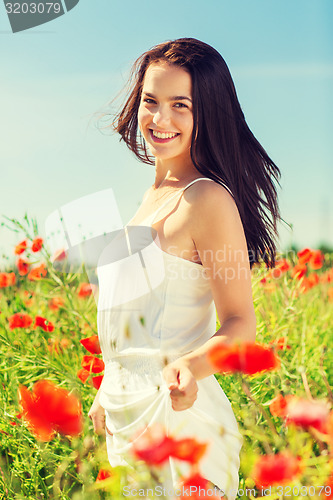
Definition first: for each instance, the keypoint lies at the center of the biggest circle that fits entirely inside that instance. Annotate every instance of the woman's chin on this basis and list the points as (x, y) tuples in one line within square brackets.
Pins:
[(159, 155)]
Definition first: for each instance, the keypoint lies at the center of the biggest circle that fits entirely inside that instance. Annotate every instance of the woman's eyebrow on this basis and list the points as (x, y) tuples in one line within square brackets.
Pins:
[(173, 98)]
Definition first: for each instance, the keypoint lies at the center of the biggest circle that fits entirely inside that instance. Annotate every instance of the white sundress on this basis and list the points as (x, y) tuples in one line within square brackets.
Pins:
[(154, 307)]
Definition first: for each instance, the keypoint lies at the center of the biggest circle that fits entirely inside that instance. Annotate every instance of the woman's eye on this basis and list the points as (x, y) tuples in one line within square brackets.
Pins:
[(178, 105)]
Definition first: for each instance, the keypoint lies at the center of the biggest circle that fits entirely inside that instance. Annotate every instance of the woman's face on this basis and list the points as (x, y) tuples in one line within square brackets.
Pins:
[(165, 114)]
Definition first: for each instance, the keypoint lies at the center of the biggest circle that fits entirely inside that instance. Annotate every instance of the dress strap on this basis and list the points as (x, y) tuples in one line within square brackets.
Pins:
[(176, 194), (208, 179), (150, 218)]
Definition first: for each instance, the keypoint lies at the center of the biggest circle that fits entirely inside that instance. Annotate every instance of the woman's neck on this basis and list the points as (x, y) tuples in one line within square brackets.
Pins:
[(173, 174)]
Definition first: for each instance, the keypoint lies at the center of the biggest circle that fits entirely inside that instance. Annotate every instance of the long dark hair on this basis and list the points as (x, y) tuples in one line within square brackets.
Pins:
[(223, 147)]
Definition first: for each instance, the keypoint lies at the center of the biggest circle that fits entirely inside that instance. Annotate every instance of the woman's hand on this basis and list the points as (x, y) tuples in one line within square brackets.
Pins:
[(97, 415), (182, 385)]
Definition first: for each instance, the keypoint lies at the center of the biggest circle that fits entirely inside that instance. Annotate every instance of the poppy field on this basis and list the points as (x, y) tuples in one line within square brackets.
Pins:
[(51, 367)]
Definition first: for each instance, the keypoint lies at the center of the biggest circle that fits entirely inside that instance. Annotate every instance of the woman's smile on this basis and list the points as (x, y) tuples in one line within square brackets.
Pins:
[(162, 136)]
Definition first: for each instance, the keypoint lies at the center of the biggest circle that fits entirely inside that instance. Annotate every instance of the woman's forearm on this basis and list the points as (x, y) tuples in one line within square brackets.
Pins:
[(234, 329)]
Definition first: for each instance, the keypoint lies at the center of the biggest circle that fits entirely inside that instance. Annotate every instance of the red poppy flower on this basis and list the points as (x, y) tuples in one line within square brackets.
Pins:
[(20, 247), (18, 416), (188, 449), (84, 290), (304, 255), (64, 343), (196, 487), (55, 303), (7, 279), (49, 409), (3, 280), (59, 255), (19, 320), (313, 279), (298, 271), (317, 259), (280, 343), (306, 413), (92, 364), (56, 346), (153, 446), (305, 285), (22, 266), (91, 344), (103, 474), (28, 297), (281, 267), (46, 325), (276, 273), (278, 469), (327, 276), (83, 374), (97, 381), (309, 282), (247, 357), (37, 244), (37, 272), (328, 489), (278, 405)]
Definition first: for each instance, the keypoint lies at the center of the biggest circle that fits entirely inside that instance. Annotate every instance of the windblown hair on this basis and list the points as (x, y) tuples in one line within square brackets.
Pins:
[(223, 147)]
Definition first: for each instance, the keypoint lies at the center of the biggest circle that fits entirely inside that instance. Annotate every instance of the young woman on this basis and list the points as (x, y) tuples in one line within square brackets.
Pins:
[(186, 254)]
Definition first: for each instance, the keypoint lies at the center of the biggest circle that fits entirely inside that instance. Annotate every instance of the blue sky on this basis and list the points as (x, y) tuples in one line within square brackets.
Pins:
[(56, 76)]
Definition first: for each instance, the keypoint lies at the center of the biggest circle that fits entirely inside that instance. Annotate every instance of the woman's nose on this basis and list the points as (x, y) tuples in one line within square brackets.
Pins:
[(161, 117)]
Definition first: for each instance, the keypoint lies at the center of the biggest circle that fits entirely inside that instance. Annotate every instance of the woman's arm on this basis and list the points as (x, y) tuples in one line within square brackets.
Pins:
[(218, 235), (97, 415)]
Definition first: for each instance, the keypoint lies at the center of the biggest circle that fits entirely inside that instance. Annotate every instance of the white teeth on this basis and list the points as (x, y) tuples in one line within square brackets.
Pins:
[(163, 135)]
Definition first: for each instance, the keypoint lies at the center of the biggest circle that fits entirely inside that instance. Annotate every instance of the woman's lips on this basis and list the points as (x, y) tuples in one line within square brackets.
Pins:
[(157, 139)]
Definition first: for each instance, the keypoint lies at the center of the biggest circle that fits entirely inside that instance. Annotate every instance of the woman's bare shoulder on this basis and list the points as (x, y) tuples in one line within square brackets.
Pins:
[(206, 196), (212, 210)]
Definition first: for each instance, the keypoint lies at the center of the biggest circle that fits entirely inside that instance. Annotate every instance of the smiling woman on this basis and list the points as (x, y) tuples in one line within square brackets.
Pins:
[(212, 208)]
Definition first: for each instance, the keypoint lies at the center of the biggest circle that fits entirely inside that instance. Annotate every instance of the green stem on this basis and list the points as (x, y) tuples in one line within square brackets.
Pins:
[(247, 390)]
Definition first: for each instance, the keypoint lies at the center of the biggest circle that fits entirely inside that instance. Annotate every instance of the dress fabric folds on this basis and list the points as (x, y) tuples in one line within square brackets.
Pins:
[(154, 307)]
